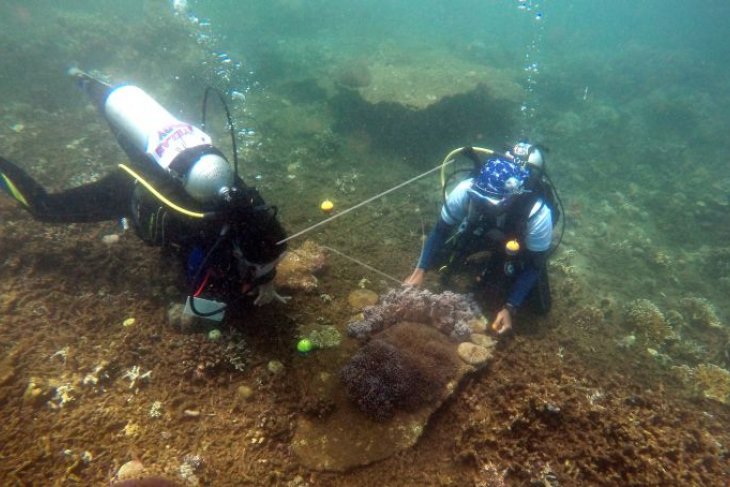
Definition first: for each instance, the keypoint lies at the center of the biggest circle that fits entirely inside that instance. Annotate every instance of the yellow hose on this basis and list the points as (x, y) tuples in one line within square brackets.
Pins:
[(449, 158), (159, 196)]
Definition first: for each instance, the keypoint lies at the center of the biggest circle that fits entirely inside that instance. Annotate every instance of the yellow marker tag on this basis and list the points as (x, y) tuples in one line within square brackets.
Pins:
[(327, 206)]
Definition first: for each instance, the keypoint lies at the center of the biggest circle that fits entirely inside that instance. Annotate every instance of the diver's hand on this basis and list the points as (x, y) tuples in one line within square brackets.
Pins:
[(502, 322), (267, 293), (415, 279)]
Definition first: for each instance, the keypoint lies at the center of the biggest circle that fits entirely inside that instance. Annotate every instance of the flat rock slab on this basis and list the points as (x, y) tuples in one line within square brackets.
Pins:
[(394, 77), (348, 438)]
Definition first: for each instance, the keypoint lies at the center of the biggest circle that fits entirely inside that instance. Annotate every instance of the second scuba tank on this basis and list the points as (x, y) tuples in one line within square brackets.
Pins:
[(139, 116)]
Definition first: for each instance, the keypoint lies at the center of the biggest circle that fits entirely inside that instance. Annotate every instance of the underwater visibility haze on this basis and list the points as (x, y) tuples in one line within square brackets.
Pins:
[(356, 380)]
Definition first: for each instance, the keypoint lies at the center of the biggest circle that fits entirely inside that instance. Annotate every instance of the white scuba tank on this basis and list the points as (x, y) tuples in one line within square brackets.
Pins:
[(156, 132)]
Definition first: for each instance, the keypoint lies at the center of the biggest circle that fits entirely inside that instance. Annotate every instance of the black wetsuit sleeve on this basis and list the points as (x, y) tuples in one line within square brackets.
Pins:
[(106, 199)]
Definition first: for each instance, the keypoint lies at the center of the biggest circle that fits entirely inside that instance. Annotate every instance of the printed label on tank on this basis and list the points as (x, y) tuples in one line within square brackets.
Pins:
[(166, 144)]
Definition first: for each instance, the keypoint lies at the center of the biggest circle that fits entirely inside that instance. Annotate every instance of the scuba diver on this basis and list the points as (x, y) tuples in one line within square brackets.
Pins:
[(179, 193), (507, 209)]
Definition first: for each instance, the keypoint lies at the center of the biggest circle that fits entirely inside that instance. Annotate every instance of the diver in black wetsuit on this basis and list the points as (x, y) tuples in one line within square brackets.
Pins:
[(179, 193)]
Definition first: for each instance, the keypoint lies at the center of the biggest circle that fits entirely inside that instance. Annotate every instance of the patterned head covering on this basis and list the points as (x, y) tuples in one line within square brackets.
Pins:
[(499, 179)]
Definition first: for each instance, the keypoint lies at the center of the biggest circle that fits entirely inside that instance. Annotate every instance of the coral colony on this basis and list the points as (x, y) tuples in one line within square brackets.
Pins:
[(449, 312), (409, 361), (385, 376)]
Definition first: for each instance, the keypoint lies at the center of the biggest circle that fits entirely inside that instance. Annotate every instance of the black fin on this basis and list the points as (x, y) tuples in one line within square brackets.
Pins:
[(106, 199), (21, 187)]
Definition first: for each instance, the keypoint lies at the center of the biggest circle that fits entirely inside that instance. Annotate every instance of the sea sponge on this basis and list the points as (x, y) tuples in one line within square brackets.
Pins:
[(646, 318), (405, 367), (449, 312)]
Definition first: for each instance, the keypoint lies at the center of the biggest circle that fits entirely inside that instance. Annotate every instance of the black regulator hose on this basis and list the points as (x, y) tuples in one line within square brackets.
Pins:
[(228, 117)]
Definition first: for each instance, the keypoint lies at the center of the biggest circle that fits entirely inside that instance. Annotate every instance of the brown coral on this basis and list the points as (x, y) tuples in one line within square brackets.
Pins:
[(405, 367), (648, 321), (299, 269), (700, 312)]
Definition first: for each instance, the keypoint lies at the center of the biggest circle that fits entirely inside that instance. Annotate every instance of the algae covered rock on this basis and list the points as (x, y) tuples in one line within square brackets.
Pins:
[(714, 382), (707, 380), (392, 386), (133, 469), (299, 269)]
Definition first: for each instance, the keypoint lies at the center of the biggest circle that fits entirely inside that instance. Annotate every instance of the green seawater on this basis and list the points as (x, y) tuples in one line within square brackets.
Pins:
[(343, 100)]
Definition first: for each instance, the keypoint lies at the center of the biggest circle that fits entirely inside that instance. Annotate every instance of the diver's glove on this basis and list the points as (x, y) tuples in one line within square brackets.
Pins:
[(267, 293)]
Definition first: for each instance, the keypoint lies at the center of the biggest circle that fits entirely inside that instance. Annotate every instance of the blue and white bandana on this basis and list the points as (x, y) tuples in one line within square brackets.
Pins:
[(499, 179)]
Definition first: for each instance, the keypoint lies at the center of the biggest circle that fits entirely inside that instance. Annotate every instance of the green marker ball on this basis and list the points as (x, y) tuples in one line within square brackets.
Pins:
[(305, 345)]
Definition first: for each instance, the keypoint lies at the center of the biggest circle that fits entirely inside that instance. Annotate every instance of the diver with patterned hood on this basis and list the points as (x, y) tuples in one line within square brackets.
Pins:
[(179, 193), (507, 207)]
